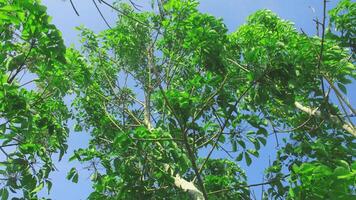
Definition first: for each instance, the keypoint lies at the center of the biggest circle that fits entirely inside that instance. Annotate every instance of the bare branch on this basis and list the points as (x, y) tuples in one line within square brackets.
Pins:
[(252, 185), (101, 14), (75, 10)]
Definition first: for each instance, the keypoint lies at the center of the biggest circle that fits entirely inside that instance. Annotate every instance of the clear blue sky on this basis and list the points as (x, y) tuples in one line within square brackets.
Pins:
[(234, 13)]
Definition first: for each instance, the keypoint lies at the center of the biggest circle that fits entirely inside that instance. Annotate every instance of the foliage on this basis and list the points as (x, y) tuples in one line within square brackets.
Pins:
[(32, 113), (319, 181), (342, 18), (160, 93)]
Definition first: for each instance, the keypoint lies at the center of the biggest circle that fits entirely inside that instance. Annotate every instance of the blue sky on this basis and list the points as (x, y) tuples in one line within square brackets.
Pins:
[(233, 12)]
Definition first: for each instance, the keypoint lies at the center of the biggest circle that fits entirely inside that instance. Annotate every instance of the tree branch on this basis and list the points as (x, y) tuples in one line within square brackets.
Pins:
[(224, 126), (338, 93), (101, 14), (334, 119), (186, 186), (248, 186), (75, 10)]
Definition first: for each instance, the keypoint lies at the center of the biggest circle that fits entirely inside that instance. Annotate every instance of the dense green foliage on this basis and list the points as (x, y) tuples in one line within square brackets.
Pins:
[(32, 119), (158, 89)]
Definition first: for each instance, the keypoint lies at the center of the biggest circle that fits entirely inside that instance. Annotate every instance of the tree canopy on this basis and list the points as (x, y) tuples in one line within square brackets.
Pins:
[(159, 87)]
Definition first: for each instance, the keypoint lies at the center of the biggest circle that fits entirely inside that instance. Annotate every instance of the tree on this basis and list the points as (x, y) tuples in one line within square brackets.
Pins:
[(32, 111), (158, 88)]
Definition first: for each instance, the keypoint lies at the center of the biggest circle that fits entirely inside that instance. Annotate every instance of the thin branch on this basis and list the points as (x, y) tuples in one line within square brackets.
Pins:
[(344, 109), (147, 139), (111, 119), (6, 122), (28, 82), (322, 46), (217, 117), (224, 125), (133, 116), (226, 151), (127, 15), (135, 99), (275, 132), (338, 93), (4, 152), (75, 10), (101, 14), (210, 98), (18, 70), (237, 64), (294, 129), (9, 145), (135, 5), (168, 104), (161, 9), (248, 186), (157, 139), (207, 141)]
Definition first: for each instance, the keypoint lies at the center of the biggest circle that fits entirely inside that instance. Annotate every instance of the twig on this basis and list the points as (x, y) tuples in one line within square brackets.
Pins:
[(248, 186), (146, 139), (127, 15), (28, 82), (322, 46), (9, 145), (23, 63), (101, 14), (209, 99), (338, 93), (226, 151), (224, 125), (112, 120), (275, 132), (344, 109), (237, 64), (75, 10), (4, 152), (296, 128), (135, 5)]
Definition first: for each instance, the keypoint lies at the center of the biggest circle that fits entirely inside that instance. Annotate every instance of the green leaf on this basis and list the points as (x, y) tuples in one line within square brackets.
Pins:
[(222, 139), (262, 131), (253, 152), (342, 88), (242, 143), (78, 128), (2, 128), (341, 171), (234, 146), (295, 168), (4, 194), (49, 186), (248, 159), (71, 173), (306, 168), (262, 140), (94, 176), (353, 166), (38, 188), (75, 178), (239, 157)]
